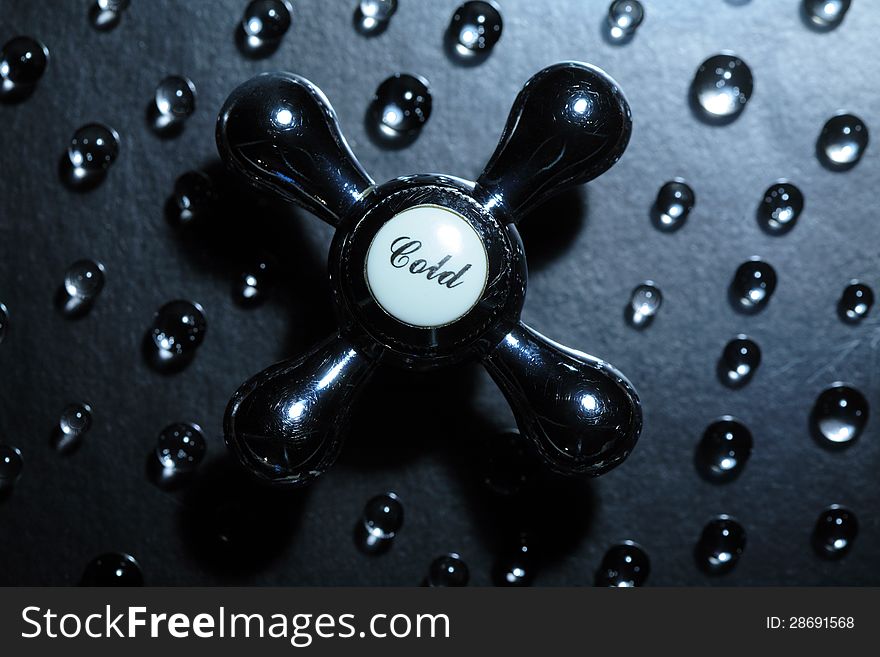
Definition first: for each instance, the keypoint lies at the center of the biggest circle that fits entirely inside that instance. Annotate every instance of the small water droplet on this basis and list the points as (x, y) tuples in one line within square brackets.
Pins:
[(625, 565), (674, 202), (106, 14), (173, 102), (516, 568), (836, 529), (624, 18), (509, 464), (721, 88), (753, 284), (11, 465), (381, 520), (780, 208), (4, 321), (179, 450), (177, 331), (842, 142), (825, 15), (855, 302), (644, 302), (93, 148), (448, 570), (83, 282), (371, 17), (263, 26), (720, 546), (252, 286), (839, 415), (23, 61), (724, 450), (193, 199), (738, 362), (73, 424), (113, 569), (474, 30), (399, 109)]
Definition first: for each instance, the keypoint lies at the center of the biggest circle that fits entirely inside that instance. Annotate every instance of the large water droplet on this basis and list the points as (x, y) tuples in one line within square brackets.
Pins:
[(855, 302), (448, 570), (194, 198), (173, 102), (83, 282), (674, 202), (73, 424), (4, 321), (724, 450), (644, 302), (371, 17), (474, 30), (263, 26), (252, 286), (517, 567), (720, 546), (721, 88), (839, 415), (177, 331), (93, 148), (381, 520), (780, 208), (825, 15), (624, 18), (113, 569), (842, 142), (11, 465), (739, 361), (179, 450), (836, 529), (23, 61), (625, 565), (753, 284), (400, 108)]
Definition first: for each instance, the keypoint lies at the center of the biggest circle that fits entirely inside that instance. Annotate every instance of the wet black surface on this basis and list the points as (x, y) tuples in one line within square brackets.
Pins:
[(420, 435)]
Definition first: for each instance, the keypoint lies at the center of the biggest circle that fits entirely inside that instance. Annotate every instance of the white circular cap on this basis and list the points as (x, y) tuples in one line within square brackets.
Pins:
[(427, 266)]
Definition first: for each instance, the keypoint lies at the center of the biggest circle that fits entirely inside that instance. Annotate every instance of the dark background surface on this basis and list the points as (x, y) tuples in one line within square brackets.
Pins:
[(421, 435)]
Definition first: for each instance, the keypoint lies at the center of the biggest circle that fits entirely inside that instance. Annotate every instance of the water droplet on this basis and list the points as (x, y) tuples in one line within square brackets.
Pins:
[(509, 463), (23, 61), (739, 360), (11, 465), (644, 302), (106, 14), (371, 17), (780, 208), (836, 529), (93, 148), (399, 109), (173, 102), (194, 198), (73, 424), (753, 284), (448, 570), (855, 302), (842, 142), (252, 286), (724, 450), (624, 18), (381, 520), (720, 546), (721, 88), (839, 415), (263, 26), (825, 15), (474, 30), (83, 282), (177, 331), (113, 569), (4, 321), (181, 447), (515, 568), (625, 565), (674, 202)]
